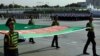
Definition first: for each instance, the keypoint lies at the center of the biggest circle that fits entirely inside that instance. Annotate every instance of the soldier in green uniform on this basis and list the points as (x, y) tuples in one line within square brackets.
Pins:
[(91, 38), (55, 39), (31, 23), (11, 39)]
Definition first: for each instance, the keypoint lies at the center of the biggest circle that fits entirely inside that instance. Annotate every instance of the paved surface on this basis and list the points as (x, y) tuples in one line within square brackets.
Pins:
[(71, 44)]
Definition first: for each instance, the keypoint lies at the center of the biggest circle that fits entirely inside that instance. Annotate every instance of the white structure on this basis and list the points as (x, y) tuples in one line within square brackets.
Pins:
[(93, 10), (95, 3), (90, 6)]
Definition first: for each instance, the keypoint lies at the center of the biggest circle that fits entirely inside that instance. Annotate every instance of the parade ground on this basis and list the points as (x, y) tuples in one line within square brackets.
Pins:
[(71, 44)]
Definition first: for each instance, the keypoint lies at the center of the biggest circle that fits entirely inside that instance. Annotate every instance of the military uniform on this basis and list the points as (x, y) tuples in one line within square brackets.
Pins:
[(55, 39), (11, 39), (10, 44), (91, 38), (31, 23)]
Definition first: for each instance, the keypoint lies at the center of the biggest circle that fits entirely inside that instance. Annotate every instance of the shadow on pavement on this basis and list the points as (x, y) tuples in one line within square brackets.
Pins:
[(80, 55), (39, 50)]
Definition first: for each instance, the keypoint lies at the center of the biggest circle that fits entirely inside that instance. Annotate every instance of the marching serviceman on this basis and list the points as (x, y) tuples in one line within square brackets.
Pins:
[(11, 39), (31, 23), (55, 39), (91, 38)]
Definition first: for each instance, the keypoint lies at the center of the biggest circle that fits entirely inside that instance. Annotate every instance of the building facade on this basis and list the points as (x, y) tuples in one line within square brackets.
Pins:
[(95, 3)]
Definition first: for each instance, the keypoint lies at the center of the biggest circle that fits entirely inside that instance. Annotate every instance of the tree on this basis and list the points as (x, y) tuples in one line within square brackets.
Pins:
[(17, 6), (6, 6), (11, 6), (73, 5), (27, 7), (57, 6), (43, 6), (1, 6)]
